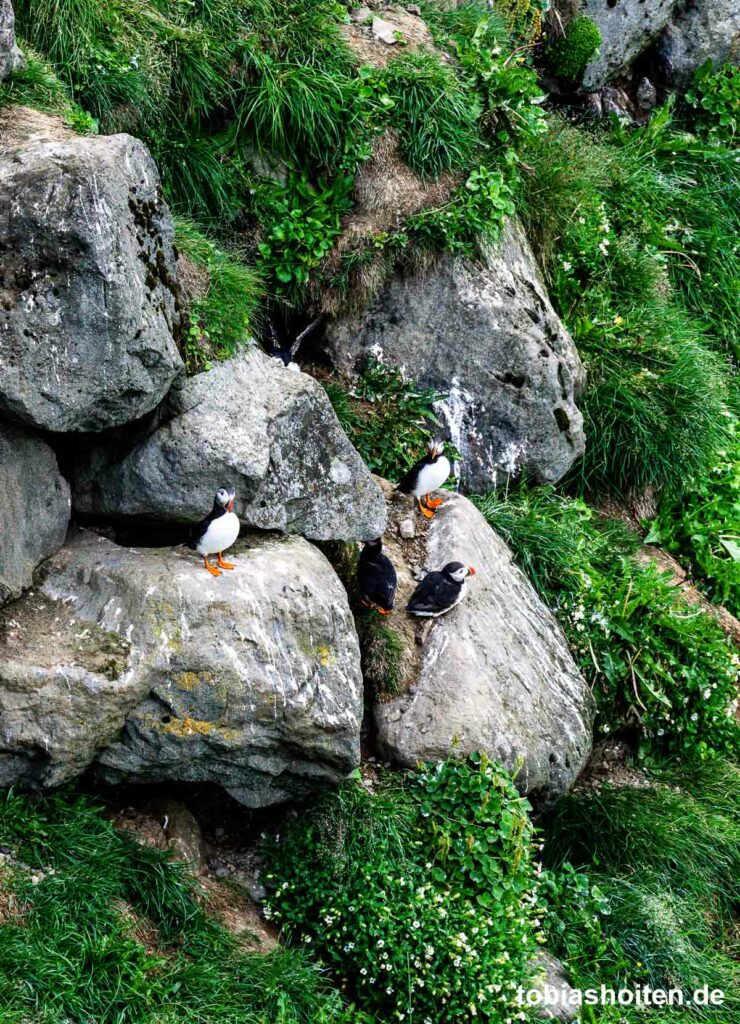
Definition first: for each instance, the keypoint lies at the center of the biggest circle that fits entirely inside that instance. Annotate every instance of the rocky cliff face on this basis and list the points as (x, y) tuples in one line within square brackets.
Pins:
[(87, 305), (487, 335), (11, 58)]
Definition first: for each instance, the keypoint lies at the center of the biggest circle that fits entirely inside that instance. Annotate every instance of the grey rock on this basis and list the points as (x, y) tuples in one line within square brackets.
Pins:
[(407, 529), (385, 31), (182, 832), (495, 673), (646, 94), (140, 664), (34, 508), (11, 58), (360, 15), (616, 101), (487, 335), (700, 30), (558, 999), (250, 424), (627, 28), (87, 307)]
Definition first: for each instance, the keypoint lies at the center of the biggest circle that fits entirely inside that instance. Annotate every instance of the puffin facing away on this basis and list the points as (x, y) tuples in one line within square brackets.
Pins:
[(427, 475), (376, 578), (218, 531), (440, 590)]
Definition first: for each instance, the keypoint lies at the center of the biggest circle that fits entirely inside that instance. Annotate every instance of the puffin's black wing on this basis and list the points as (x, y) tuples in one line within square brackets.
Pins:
[(199, 531), (408, 481), (376, 579), (435, 593)]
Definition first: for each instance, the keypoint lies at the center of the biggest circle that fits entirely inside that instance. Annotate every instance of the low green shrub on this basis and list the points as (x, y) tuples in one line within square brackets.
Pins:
[(715, 97), (108, 929), (569, 54), (702, 528), (420, 895), (227, 315), (386, 417), (656, 665)]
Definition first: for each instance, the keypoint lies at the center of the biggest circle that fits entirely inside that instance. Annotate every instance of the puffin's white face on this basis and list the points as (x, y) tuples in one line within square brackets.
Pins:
[(458, 572), (225, 498), (436, 448)]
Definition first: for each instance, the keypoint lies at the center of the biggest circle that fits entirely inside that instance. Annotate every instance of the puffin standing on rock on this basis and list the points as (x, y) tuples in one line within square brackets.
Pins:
[(376, 578), (440, 591), (218, 531), (427, 475)]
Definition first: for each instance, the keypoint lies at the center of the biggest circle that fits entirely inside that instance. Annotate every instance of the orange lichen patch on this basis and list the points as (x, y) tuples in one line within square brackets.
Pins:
[(192, 680), (233, 908), (188, 727)]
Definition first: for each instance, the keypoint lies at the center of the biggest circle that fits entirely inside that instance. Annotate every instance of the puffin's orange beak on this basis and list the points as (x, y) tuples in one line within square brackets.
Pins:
[(231, 505), (471, 570)]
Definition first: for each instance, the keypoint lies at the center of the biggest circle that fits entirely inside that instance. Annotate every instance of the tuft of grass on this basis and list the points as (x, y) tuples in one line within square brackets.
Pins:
[(382, 656), (37, 86), (73, 953), (226, 316), (643, 886)]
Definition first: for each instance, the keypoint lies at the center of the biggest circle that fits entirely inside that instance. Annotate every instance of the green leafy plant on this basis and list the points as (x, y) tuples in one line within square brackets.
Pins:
[(476, 212), (702, 528), (715, 96), (569, 54), (387, 418), (419, 895), (657, 667)]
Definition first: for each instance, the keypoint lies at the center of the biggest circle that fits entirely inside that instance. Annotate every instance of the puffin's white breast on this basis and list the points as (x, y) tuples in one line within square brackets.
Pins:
[(220, 535), (432, 476)]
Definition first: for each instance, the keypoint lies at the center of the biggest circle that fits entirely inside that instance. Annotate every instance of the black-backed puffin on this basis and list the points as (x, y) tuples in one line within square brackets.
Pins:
[(440, 590), (427, 475), (376, 578), (218, 531)]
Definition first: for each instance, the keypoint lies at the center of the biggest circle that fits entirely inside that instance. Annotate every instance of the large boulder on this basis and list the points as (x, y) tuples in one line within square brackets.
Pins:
[(700, 30), (250, 424), (87, 302), (140, 664), (34, 508), (11, 58), (627, 28), (494, 674), (487, 335)]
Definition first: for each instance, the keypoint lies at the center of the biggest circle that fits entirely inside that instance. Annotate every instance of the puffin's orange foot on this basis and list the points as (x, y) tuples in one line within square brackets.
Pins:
[(426, 512), (211, 568), (434, 502), (224, 565)]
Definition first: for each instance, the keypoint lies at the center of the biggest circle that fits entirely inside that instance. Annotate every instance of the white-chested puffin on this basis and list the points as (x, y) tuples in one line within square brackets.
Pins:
[(440, 590), (427, 475), (376, 578), (218, 531)]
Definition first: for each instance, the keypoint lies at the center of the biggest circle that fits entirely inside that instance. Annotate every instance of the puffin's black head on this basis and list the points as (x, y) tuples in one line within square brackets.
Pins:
[(374, 545), (436, 448), (457, 571), (224, 499)]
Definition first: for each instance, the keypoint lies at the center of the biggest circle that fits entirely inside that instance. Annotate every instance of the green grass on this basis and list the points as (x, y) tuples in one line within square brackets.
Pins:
[(72, 955), (659, 668), (656, 897), (37, 86), (382, 656), (227, 316)]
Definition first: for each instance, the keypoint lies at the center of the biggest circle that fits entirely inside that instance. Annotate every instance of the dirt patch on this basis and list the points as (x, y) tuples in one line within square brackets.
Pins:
[(610, 762), (140, 928), (411, 33), (234, 909), (23, 124), (193, 280), (46, 633), (11, 908)]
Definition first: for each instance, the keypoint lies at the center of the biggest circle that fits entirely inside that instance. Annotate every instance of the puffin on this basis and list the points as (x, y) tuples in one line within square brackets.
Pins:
[(217, 531), (440, 591), (376, 578), (427, 475)]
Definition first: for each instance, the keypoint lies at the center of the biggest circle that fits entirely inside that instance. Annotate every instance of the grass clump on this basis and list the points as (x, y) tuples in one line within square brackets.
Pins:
[(383, 653), (225, 316), (73, 952), (36, 85), (641, 888), (702, 528), (641, 269), (569, 54), (419, 895), (657, 667)]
